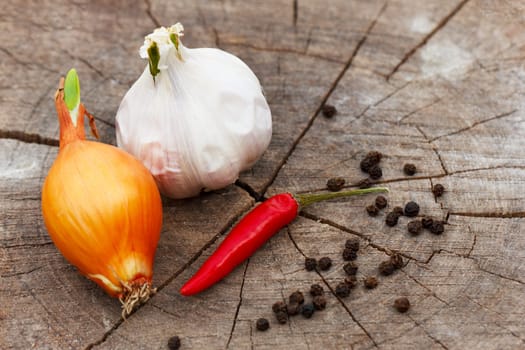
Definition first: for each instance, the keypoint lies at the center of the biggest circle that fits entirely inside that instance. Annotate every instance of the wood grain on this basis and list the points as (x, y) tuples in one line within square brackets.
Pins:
[(436, 83)]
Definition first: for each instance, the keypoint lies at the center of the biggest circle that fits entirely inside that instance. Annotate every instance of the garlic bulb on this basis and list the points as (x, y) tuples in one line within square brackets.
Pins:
[(196, 118)]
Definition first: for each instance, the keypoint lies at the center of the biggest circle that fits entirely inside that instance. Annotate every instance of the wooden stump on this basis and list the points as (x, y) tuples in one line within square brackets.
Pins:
[(439, 84)]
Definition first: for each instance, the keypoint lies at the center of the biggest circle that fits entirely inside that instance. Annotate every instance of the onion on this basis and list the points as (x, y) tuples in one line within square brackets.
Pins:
[(101, 206)]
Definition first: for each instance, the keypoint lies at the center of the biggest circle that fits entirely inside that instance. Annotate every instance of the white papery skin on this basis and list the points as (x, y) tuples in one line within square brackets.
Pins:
[(202, 121)]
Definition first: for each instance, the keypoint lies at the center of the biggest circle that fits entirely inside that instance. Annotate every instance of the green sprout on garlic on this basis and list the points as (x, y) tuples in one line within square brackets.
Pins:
[(158, 45)]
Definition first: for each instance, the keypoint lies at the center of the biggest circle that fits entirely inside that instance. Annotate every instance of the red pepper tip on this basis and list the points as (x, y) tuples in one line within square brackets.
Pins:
[(186, 290)]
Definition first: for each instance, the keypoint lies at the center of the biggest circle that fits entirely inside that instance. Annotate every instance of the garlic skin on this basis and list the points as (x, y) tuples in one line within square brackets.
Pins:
[(199, 122)]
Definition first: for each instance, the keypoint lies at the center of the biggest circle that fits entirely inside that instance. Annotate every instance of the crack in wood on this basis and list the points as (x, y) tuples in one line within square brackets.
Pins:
[(504, 215), (484, 307), (28, 137), (86, 63), (160, 308), (295, 6), (252, 345), (105, 122), (467, 256), (47, 93), (333, 224), (239, 304), (21, 272), (378, 102), (106, 334), (388, 340), (425, 287), (499, 116), (217, 39), (26, 245), (427, 37), (150, 14), (308, 41), (474, 240), (27, 64), (433, 195), (278, 50), (434, 148), (417, 111), (250, 190), (332, 291), (437, 341), (497, 274), (325, 98)]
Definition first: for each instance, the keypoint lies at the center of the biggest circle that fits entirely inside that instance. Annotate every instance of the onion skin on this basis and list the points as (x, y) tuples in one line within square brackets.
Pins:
[(102, 209)]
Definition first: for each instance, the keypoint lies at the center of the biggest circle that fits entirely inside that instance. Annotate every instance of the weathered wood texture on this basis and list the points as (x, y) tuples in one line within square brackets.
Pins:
[(437, 83)]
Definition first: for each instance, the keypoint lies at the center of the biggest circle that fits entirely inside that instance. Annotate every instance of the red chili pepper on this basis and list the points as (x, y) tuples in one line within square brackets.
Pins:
[(253, 231)]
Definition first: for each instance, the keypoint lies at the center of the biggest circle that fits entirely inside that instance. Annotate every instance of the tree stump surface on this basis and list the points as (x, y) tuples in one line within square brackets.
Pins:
[(439, 84)]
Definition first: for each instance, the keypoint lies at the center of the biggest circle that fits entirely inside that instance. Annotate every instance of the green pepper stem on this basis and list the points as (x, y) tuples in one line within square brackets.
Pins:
[(310, 198)]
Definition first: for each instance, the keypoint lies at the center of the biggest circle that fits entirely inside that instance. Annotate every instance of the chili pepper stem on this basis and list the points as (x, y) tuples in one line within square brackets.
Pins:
[(310, 198)]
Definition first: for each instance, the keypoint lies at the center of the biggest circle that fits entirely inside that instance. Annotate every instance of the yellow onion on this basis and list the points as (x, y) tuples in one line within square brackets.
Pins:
[(101, 207)]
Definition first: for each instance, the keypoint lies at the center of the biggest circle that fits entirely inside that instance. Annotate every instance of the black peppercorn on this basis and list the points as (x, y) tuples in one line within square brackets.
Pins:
[(370, 160), (411, 209), (293, 309), (316, 289), (437, 227), (374, 156), (350, 268), (174, 343), (310, 264), (319, 302), (365, 183), (370, 282), (262, 324), (381, 202), (296, 297), (392, 218), (397, 261), (386, 268), (366, 164), (372, 210), (281, 316), (325, 263), (279, 307), (438, 190), (352, 243), (375, 172), (402, 304), (335, 184), (414, 227), (409, 169), (342, 290), (398, 210), (351, 281), (308, 310), (329, 111), (427, 222), (349, 254)]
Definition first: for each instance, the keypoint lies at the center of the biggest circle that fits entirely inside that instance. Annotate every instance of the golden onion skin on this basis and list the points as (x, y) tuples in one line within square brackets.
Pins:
[(102, 209)]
